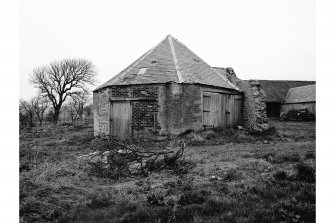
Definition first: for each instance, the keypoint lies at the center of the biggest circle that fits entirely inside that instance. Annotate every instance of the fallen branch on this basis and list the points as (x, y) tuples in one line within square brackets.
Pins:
[(116, 158)]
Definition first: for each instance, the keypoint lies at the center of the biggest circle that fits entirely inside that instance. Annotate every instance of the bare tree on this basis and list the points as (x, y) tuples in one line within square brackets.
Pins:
[(39, 106), (78, 102), (26, 113), (74, 107), (88, 110), (69, 111), (62, 79)]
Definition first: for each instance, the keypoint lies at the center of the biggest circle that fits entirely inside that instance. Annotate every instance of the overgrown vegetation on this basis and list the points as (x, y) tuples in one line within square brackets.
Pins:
[(230, 182), (115, 158)]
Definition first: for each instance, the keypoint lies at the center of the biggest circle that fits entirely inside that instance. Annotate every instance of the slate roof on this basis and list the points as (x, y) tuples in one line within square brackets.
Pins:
[(170, 61), (301, 94), (276, 90)]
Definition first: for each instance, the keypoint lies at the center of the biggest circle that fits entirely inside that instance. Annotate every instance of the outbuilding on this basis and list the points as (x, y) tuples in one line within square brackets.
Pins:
[(300, 98), (275, 92), (168, 90)]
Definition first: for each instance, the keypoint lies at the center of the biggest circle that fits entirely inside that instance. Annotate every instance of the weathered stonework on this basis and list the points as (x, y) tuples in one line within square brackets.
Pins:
[(179, 108), (156, 109), (254, 108), (101, 112), (173, 108)]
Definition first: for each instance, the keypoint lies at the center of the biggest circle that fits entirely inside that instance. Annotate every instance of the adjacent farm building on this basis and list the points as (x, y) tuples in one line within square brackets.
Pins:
[(169, 90), (300, 98), (275, 92)]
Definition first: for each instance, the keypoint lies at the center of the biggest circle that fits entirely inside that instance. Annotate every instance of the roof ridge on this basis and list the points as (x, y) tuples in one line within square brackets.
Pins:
[(131, 66), (175, 59), (215, 71), (287, 94)]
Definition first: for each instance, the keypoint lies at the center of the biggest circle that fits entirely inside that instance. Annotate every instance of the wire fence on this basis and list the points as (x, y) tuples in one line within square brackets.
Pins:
[(77, 121)]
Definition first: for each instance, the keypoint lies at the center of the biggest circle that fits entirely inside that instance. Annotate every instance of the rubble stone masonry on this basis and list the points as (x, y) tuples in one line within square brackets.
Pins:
[(156, 109), (254, 108), (172, 108)]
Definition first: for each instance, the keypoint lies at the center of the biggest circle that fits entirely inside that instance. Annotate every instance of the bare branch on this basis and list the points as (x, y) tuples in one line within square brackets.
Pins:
[(63, 79)]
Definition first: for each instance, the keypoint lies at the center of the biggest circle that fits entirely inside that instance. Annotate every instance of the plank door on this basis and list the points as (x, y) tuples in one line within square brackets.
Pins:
[(211, 109), (121, 119), (226, 110), (231, 109), (238, 110)]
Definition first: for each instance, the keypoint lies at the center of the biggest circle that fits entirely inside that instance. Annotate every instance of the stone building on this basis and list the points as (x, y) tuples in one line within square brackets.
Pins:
[(275, 92), (300, 98), (169, 90)]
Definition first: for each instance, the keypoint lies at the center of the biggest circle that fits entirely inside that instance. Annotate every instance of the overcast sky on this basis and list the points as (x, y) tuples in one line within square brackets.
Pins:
[(260, 39)]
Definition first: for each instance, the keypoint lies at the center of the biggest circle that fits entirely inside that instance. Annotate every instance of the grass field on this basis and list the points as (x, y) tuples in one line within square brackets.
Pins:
[(232, 176)]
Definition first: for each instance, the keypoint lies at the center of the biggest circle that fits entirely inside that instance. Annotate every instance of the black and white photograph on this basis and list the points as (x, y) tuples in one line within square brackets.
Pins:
[(167, 111)]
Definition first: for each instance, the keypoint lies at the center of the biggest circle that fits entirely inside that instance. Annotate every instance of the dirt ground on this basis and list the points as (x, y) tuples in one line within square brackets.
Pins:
[(233, 177)]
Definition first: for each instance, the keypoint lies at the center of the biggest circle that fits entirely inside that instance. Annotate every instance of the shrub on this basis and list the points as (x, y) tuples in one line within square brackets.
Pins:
[(187, 213), (126, 206), (310, 155), (281, 158), (214, 206), (154, 199), (306, 195), (305, 172), (267, 156), (87, 215), (193, 197), (211, 207), (280, 175), (232, 175), (148, 214), (99, 202)]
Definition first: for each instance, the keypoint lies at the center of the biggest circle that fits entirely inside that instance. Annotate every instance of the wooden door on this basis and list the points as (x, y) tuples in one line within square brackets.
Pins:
[(226, 110), (233, 110), (221, 110), (238, 110), (121, 119), (211, 109)]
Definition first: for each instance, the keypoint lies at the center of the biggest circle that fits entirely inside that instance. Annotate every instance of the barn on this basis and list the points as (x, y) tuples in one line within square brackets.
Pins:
[(300, 98), (168, 90), (275, 92)]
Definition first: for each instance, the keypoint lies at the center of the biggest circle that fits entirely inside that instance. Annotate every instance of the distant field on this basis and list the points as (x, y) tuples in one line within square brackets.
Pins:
[(232, 177)]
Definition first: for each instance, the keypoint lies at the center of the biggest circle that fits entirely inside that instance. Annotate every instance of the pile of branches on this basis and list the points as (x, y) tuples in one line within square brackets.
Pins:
[(114, 158)]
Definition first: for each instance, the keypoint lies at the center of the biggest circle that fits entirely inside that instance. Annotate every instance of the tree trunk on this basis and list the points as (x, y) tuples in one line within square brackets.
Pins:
[(56, 115), (31, 122)]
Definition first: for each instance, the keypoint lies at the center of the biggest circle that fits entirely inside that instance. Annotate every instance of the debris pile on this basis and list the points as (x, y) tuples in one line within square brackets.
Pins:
[(115, 158)]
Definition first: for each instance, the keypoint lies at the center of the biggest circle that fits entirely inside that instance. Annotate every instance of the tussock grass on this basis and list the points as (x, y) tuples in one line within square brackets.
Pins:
[(255, 182)]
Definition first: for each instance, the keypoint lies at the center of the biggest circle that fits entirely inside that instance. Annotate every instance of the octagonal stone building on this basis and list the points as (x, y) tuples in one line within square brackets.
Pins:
[(168, 90)]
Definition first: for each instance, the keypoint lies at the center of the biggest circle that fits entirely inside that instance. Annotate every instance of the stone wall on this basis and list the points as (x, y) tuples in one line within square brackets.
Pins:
[(101, 106), (144, 102), (156, 109), (179, 108), (254, 108)]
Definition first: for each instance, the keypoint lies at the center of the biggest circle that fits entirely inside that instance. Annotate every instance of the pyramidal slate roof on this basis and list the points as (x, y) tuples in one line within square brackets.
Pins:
[(170, 61), (301, 94)]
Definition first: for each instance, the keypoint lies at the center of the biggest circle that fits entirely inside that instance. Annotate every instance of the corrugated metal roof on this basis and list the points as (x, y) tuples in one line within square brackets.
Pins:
[(170, 61), (276, 90), (301, 94)]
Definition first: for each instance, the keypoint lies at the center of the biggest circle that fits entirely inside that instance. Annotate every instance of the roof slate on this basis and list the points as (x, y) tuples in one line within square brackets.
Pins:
[(276, 90), (301, 94), (170, 61)]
